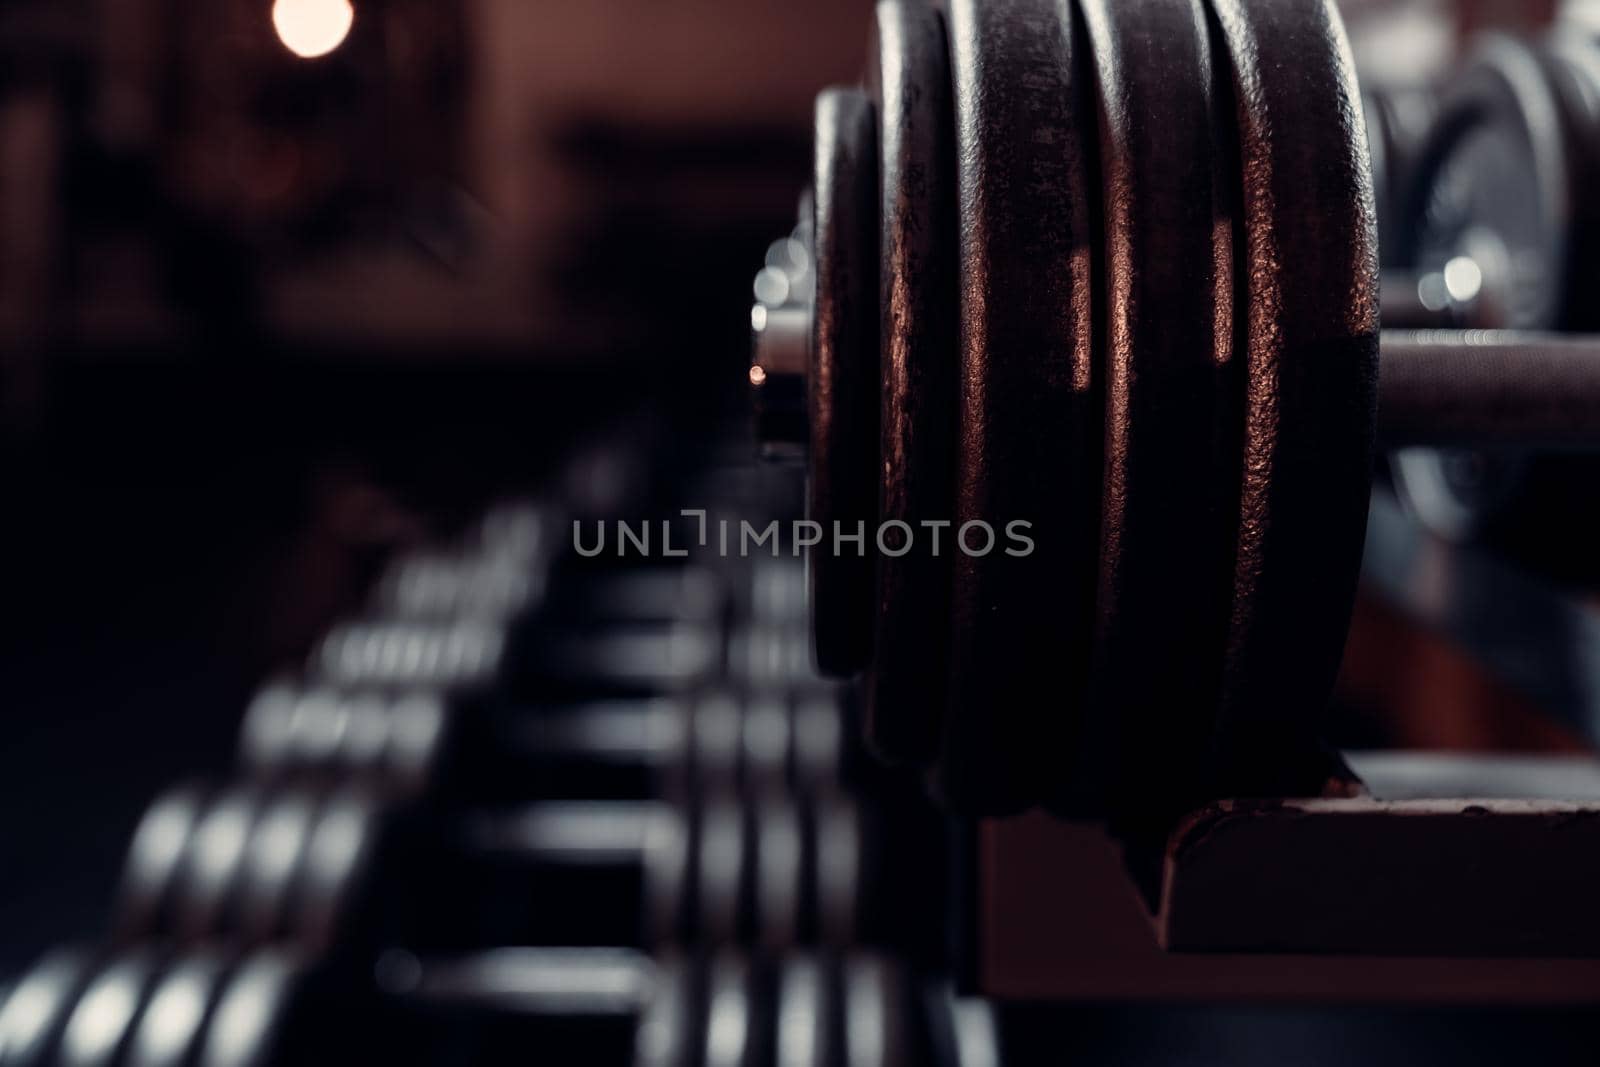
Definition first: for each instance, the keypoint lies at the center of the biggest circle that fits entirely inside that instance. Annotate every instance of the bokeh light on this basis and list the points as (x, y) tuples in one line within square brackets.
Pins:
[(312, 28)]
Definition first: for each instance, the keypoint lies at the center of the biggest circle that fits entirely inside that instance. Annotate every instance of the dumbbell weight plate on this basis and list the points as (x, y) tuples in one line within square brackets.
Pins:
[(452, 585), (1398, 120), (1311, 310), (805, 1022), (910, 83), (170, 1027), (252, 1023), (38, 1006), (273, 862), (842, 400), (468, 658), (880, 1024), (779, 866), (317, 871), (330, 901), (256, 866), (209, 879), (1029, 409), (1494, 184), (100, 1025), (738, 1023), (311, 732), (457, 654), (1172, 387), (158, 851), (723, 871), (522, 533)]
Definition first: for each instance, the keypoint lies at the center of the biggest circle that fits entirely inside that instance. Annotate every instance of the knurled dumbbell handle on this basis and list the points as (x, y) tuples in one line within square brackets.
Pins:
[(1489, 387)]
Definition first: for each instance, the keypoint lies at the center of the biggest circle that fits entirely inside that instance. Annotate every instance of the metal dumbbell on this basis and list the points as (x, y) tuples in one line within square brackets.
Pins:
[(1499, 231), (404, 702), (536, 659), (1111, 269), (417, 742), (503, 1006), (341, 871)]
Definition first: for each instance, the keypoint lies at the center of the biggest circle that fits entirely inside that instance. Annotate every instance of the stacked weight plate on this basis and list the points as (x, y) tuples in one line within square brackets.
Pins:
[(1101, 275)]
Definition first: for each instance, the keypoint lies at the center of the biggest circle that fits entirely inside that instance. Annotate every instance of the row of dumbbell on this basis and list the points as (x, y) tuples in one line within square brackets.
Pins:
[(352, 827), (147, 1007), (721, 811), (765, 738), (342, 869)]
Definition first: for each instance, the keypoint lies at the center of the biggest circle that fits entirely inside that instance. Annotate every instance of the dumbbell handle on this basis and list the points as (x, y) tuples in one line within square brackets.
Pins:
[(1488, 387), (1451, 381), (1439, 384)]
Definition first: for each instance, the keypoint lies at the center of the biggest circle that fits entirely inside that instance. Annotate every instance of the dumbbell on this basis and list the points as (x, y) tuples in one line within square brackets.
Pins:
[(535, 658), (1065, 227), (628, 631), (408, 696), (1502, 234), (507, 606), (500, 568), (416, 742), (339, 872), (501, 1006)]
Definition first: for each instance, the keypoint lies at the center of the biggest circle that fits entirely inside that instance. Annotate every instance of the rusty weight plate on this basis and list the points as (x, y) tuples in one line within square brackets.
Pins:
[(842, 387), (1173, 388), (910, 81), (1028, 448), (1310, 283)]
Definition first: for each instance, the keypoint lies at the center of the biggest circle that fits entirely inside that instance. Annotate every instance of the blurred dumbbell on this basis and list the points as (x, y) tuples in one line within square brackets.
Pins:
[(337, 871), (466, 615), (1498, 228), (451, 584), (1398, 121), (499, 568), (503, 1006), (537, 662), (762, 738)]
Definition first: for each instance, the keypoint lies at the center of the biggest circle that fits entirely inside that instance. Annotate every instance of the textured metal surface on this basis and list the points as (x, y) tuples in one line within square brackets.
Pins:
[(911, 83), (842, 489), (1029, 443), (1311, 290), (1172, 393)]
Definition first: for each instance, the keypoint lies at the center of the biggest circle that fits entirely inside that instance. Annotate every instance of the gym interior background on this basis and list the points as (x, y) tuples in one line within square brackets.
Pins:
[(269, 319)]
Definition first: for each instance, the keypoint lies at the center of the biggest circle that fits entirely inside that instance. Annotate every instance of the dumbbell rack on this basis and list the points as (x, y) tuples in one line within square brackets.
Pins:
[(1422, 876)]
